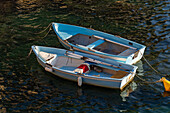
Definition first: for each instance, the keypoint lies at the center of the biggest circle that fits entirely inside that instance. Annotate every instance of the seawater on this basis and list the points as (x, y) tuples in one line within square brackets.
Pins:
[(26, 87)]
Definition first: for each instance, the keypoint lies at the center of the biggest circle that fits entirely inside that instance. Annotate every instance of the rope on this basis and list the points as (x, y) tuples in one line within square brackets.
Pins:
[(49, 26), (47, 32), (46, 35), (152, 66), (45, 28), (29, 53), (147, 81)]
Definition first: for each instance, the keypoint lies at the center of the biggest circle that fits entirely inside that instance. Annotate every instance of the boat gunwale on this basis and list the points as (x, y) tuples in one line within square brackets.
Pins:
[(95, 52), (118, 81), (84, 75), (99, 53), (53, 24), (106, 41)]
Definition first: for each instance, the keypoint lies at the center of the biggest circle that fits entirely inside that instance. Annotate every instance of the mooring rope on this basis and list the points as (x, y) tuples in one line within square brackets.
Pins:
[(49, 26), (160, 80), (152, 66), (146, 82), (47, 32), (45, 28), (46, 35), (29, 53)]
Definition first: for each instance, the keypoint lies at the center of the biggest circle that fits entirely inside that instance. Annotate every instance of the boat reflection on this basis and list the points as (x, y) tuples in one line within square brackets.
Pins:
[(166, 94), (71, 88), (129, 89), (140, 70), (108, 93)]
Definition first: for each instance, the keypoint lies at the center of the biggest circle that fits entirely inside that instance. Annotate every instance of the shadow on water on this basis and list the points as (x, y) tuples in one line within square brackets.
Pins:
[(40, 91), (86, 98), (24, 86)]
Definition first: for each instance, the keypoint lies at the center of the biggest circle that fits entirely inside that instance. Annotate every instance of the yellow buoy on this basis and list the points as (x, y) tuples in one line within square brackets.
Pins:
[(166, 84)]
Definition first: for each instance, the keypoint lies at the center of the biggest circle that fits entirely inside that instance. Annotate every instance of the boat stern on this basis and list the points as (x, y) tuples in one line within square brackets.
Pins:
[(126, 80), (134, 58)]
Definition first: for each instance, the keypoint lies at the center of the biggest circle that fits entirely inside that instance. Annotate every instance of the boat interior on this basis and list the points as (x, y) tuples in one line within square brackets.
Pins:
[(100, 44), (71, 64)]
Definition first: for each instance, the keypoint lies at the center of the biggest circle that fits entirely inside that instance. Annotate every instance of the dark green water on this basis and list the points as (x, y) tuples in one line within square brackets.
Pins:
[(26, 87)]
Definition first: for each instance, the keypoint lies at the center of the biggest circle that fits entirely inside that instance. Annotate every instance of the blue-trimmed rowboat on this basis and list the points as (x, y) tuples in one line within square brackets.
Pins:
[(101, 72), (98, 43)]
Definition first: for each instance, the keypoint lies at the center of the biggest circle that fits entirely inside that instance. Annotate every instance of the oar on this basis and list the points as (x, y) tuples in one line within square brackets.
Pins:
[(91, 60)]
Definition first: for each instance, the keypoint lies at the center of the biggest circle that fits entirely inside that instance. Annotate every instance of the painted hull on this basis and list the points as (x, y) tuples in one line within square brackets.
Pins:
[(96, 81), (65, 31)]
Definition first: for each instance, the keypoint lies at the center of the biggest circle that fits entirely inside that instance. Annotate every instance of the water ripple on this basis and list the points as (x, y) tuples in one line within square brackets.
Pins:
[(26, 87)]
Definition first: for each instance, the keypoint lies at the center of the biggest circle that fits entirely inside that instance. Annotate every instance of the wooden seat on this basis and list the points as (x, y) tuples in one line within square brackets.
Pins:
[(128, 52), (119, 74), (46, 56), (96, 43)]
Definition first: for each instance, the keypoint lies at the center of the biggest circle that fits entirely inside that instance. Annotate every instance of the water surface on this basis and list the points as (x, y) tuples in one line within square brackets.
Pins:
[(26, 87)]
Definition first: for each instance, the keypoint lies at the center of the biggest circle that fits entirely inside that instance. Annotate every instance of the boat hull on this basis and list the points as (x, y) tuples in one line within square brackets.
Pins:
[(91, 80), (130, 59), (113, 84), (127, 60)]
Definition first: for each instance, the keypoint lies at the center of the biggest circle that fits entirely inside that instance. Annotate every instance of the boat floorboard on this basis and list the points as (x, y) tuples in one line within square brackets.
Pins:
[(69, 68), (81, 39), (97, 44), (101, 74)]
